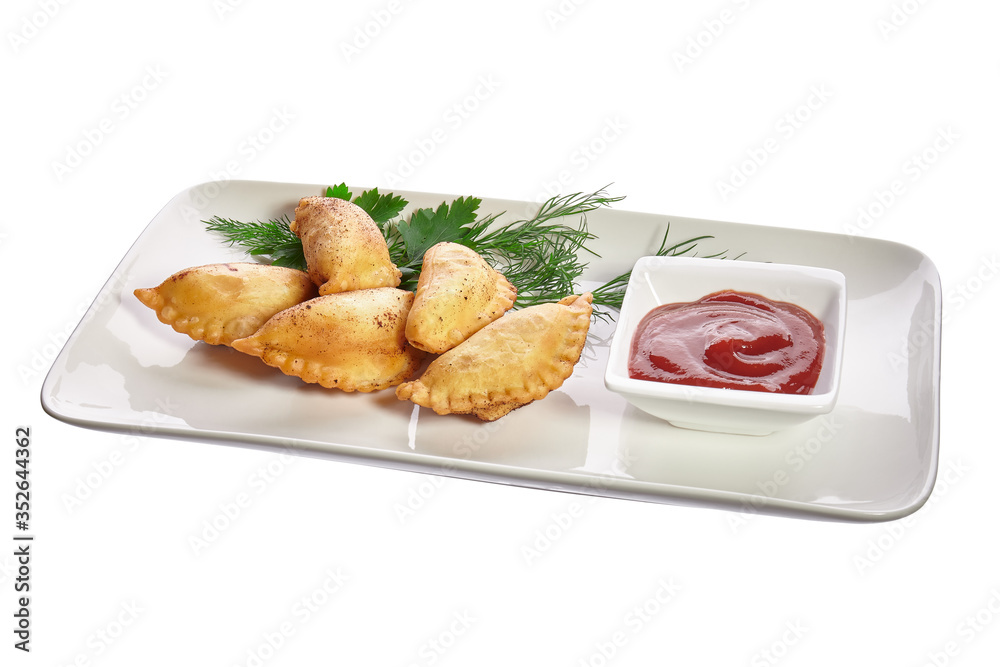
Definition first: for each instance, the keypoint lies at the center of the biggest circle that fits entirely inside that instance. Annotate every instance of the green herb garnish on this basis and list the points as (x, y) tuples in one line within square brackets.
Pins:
[(339, 191), (272, 239), (542, 256)]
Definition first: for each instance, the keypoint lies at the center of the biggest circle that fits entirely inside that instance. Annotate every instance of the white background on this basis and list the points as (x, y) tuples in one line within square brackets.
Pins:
[(110, 108)]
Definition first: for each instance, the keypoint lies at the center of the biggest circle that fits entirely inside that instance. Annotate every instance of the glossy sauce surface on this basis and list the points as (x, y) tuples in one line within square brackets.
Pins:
[(731, 340)]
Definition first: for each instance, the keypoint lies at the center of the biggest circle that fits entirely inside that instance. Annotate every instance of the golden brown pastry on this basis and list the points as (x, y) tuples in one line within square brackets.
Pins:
[(343, 246), (219, 303), (458, 294), (350, 340), (509, 363)]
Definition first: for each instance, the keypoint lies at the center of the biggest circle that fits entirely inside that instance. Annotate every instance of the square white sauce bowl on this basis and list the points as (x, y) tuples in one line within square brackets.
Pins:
[(656, 281)]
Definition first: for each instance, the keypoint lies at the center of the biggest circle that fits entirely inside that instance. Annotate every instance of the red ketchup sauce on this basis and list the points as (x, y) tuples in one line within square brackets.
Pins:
[(731, 340)]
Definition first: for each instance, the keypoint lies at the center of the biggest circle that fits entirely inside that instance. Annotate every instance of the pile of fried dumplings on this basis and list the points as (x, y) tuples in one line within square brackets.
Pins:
[(345, 324)]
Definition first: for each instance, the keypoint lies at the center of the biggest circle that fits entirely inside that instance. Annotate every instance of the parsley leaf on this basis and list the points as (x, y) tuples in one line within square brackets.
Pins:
[(427, 227), (382, 208), (339, 191)]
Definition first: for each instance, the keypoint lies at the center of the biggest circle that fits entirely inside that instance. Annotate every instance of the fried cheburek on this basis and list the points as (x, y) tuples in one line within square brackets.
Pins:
[(343, 247), (219, 303), (458, 293), (352, 341), (514, 360)]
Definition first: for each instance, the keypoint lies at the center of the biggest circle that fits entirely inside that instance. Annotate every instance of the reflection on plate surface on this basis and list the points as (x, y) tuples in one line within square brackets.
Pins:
[(873, 458)]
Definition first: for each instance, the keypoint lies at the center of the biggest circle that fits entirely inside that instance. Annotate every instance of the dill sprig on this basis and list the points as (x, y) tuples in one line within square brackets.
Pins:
[(611, 293), (540, 255), (272, 239)]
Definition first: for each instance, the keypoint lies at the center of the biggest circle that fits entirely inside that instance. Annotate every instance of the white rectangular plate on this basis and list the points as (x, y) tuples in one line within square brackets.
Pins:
[(874, 458)]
